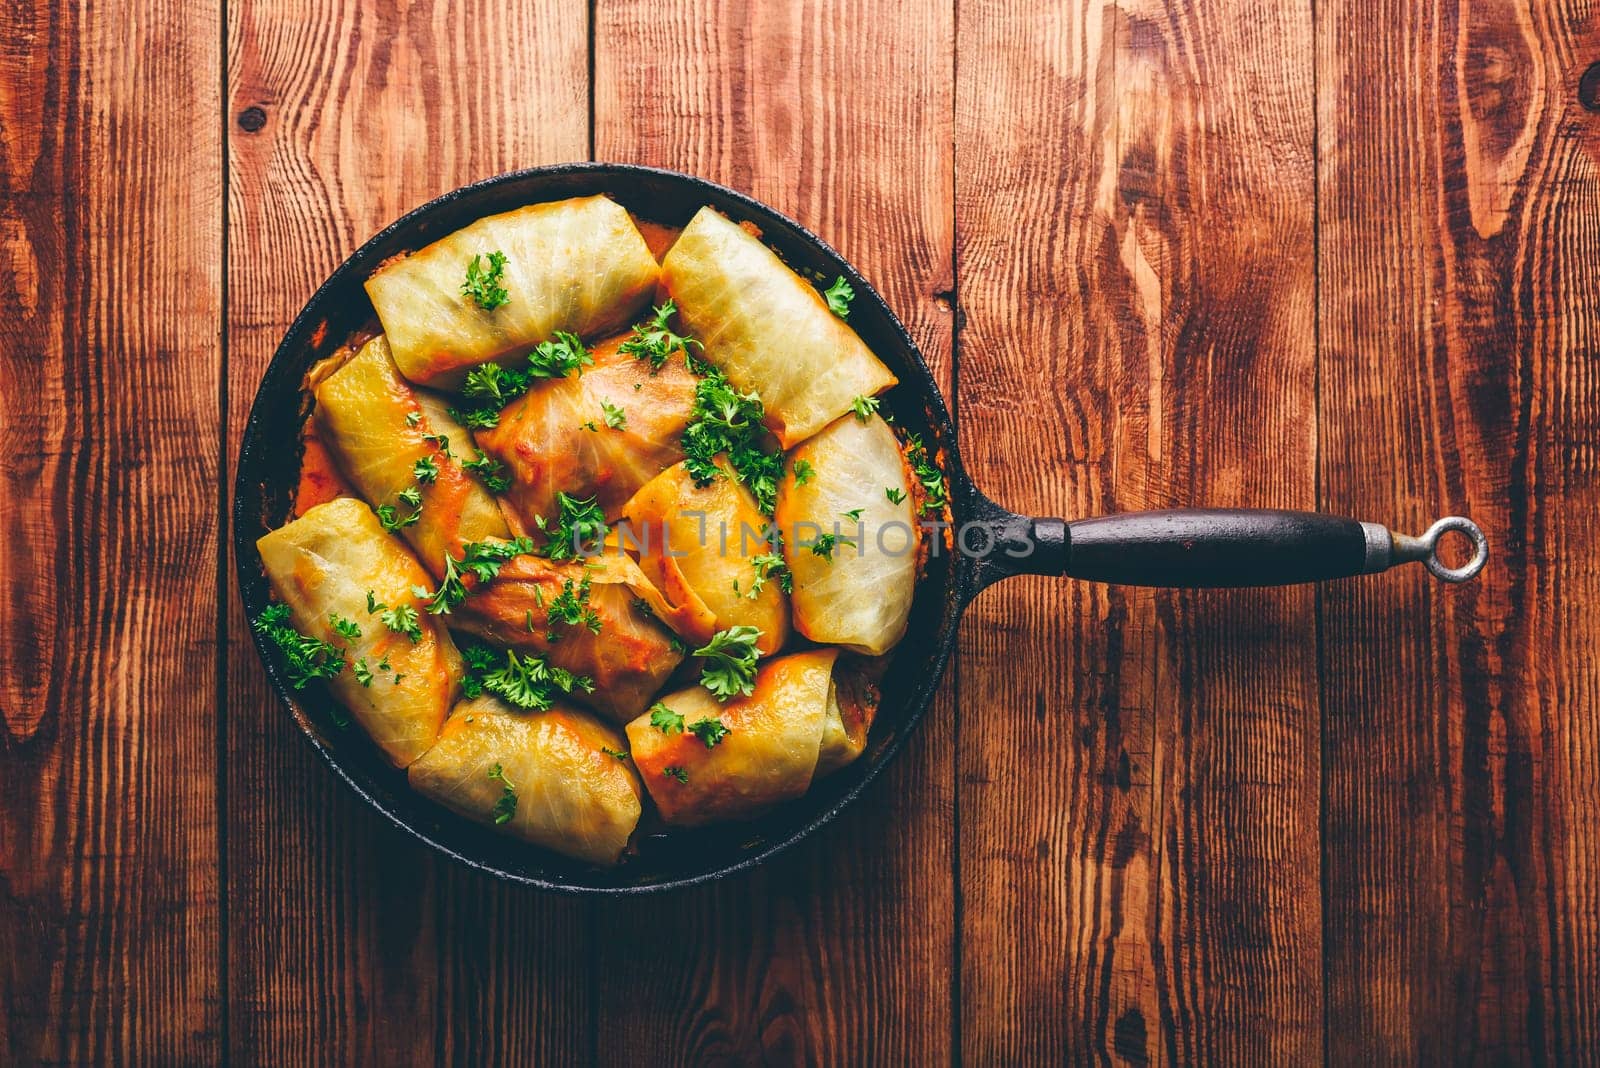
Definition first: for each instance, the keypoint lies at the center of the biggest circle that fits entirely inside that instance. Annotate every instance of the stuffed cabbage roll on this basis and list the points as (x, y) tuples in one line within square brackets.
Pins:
[(589, 618), (850, 536), (378, 426), (705, 549), (325, 566), (767, 329), (556, 785), (576, 265), (768, 748), (557, 437)]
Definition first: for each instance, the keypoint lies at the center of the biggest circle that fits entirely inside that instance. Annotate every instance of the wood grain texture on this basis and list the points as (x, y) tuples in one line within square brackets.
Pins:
[(110, 287), (1139, 793), (838, 114), (1460, 323), (348, 942)]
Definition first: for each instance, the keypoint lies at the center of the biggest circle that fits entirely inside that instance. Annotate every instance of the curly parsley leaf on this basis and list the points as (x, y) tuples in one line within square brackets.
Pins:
[(730, 662), (304, 658), (425, 470), (579, 528), (665, 719), (505, 806), (402, 619), (615, 417), (803, 472), (895, 495), (929, 475), (709, 731), (479, 559), (483, 285), (839, 295), (654, 339), (724, 420), (559, 357), (676, 773), (489, 471), (864, 407), (570, 608)]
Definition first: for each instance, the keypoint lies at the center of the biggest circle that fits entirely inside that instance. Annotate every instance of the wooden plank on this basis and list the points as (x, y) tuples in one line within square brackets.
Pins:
[(838, 114), (347, 942), (1460, 321), (1139, 787), (110, 297)]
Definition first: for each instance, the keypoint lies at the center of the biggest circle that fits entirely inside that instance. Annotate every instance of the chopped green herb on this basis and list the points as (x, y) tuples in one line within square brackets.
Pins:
[(730, 662), (344, 628), (591, 426), (489, 471), (854, 514), (895, 495), (373, 604), (571, 607), (579, 528), (654, 339), (725, 420), (403, 619), (709, 731), (440, 442), (839, 295), (825, 545), (476, 418), (363, 673), (413, 417), (559, 357), (676, 773), (665, 719), (526, 681), (391, 520), (425, 470), (481, 560), (411, 497), (483, 286), (506, 806), (803, 472), (620, 754), (864, 407), (767, 565), (615, 417), (931, 478), (304, 657)]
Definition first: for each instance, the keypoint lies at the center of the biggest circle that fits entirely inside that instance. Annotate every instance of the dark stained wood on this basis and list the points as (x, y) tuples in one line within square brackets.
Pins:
[(110, 288), (841, 951), (1138, 786), (1460, 327), (349, 943)]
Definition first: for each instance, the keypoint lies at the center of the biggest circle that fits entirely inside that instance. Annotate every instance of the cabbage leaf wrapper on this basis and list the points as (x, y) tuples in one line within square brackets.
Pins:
[(696, 546), (377, 426), (555, 437), (326, 563), (859, 594), (628, 659), (790, 730), (767, 329), (579, 266), (572, 796)]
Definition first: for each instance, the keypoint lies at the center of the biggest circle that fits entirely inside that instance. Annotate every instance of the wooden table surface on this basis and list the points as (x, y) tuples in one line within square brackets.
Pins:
[(1341, 255)]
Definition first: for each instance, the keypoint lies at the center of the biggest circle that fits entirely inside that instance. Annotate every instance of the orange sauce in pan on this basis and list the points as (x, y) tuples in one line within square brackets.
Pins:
[(320, 481), (657, 235)]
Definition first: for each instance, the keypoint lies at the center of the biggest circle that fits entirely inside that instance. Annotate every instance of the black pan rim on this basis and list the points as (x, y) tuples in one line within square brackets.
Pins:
[(961, 583)]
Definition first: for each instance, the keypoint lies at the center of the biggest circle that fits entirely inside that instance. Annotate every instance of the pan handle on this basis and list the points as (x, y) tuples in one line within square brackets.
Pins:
[(1222, 547)]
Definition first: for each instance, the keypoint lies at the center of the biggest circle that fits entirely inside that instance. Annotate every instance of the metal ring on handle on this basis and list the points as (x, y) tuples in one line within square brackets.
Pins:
[(1480, 549)]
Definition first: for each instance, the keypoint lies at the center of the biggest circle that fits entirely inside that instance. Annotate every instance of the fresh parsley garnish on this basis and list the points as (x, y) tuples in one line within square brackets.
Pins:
[(411, 497), (839, 295), (767, 565), (620, 754), (654, 339), (580, 526), (425, 470), (725, 420), (730, 662), (344, 628), (362, 672), (615, 417), (559, 357), (403, 619), (506, 805), (709, 731), (864, 407), (390, 518), (527, 681), (825, 545), (481, 560), (854, 514), (930, 476), (895, 496), (483, 286), (803, 472), (413, 417), (304, 657), (440, 442), (489, 471), (570, 607), (665, 719), (676, 773)]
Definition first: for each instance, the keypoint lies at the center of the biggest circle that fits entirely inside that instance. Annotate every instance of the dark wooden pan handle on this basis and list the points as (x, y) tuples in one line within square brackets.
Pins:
[(1224, 547)]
